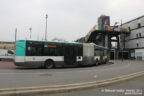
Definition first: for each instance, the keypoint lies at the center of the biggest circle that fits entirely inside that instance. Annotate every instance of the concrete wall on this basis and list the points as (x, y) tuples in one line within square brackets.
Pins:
[(133, 24), (134, 38), (141, 20), (133, 43), (132, 35)]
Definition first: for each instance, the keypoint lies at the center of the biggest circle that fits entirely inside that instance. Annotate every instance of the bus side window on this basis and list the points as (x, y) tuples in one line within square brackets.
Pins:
[(39, 51), (28, 51), (80, 51), (31, 51), (49, 51), (46, 51), (52, 51), (34, 50), (29, 48), (59, 51)]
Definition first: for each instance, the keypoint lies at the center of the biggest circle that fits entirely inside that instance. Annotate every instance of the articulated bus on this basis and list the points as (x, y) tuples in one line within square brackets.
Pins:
[(48, 54)]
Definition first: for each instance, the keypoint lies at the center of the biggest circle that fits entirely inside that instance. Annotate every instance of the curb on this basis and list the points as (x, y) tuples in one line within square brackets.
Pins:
[(30, 91)]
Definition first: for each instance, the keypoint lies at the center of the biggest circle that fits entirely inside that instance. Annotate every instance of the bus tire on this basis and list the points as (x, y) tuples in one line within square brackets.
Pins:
[(49, 64)]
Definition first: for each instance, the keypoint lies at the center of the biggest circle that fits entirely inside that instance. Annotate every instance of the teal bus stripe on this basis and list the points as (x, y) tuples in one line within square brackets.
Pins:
[(21, 48)]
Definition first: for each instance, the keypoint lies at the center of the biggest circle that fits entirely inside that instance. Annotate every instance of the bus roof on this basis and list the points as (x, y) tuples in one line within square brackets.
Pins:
[(98, 46), (51, 41)]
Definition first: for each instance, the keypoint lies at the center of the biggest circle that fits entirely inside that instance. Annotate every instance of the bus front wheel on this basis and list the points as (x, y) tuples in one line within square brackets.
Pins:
[(49, 64)]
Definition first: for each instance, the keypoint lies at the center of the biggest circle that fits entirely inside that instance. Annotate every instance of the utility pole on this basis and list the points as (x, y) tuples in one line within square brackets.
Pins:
[(15, 39), (123, 42), (30, 29), (46, 27), (15, 35), (115, 54)]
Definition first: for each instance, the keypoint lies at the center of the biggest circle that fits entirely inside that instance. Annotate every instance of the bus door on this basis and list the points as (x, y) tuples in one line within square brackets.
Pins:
[(69, 55)]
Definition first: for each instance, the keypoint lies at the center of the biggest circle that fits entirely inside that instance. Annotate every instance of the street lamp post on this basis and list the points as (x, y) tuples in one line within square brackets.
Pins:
[(46, 27), (123, 44), (15, 34), (115, 53), (15, 38), (30, 31)]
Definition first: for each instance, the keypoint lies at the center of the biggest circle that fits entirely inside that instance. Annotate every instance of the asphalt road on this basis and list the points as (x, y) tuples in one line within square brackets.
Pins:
[(133, 87), (21, 77)]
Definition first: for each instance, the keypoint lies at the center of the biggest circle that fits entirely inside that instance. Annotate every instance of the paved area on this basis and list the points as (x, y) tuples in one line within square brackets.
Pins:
[(23, 77), (134, 87), (7, 64)]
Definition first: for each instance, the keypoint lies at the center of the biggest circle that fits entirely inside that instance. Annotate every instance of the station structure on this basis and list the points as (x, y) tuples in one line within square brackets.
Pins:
[(105, 35), (129, 37)]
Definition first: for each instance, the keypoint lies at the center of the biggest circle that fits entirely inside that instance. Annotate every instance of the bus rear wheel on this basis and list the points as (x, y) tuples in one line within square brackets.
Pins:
[(49, 64)]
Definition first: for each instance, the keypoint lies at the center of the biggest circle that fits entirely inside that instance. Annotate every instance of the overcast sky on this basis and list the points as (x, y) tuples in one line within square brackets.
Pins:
[(67, 19)]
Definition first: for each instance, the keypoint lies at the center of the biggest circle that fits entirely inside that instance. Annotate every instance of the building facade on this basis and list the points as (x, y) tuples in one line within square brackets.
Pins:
[(134, 42)]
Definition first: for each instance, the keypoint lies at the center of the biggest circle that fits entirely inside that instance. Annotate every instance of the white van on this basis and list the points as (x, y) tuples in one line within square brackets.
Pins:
[(4, 52)]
